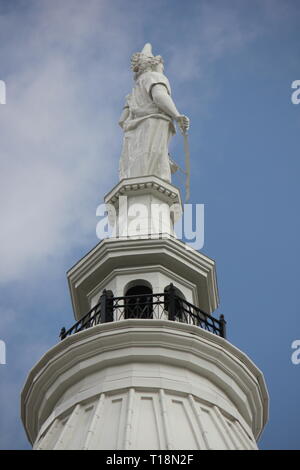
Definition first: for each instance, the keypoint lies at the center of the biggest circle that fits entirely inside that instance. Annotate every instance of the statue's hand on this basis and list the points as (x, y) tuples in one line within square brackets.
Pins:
[(183, 123)]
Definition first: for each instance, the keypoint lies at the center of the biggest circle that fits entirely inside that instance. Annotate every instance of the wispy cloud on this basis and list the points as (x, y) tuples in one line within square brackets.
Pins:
[(57, 130)]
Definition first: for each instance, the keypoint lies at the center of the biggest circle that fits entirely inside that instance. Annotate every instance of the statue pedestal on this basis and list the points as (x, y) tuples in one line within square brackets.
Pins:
[(144, 207)]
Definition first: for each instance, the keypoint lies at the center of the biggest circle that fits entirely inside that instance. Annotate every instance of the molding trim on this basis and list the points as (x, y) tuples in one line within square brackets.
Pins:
[(146, 185), (141, 271), (168, 252), (144, 341)]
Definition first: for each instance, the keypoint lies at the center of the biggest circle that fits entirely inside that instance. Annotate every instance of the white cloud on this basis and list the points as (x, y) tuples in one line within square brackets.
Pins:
[(67, 71), (59, 138)]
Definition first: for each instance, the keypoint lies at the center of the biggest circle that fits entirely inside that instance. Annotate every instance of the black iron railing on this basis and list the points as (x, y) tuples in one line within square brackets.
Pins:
[(166, 306)]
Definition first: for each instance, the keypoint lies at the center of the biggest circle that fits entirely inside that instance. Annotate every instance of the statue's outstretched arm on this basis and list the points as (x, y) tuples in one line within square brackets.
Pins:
[(164, 101)]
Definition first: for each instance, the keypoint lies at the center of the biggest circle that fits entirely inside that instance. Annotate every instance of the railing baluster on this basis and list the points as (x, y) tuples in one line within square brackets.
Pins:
[(171, 302), (106, 307), (222, 326), (62, 333)]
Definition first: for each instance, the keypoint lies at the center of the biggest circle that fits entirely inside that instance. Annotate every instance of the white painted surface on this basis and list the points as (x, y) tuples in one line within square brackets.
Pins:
[(182, 386), (157, 277), (148, 424), (145, 206)]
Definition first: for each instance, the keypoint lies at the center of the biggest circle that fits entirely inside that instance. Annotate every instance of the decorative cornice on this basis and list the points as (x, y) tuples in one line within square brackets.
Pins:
[(145, 184), (128, 341), (116, 253)]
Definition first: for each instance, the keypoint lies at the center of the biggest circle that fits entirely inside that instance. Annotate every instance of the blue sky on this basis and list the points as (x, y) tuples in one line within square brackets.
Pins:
[(231, 65)]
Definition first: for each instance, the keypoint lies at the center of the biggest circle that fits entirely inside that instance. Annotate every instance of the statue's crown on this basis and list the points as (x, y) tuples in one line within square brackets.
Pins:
[(139, 59), (147, 50)]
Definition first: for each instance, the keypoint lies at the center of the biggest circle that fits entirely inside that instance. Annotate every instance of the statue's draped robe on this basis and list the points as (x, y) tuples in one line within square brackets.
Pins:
[(146, 131)]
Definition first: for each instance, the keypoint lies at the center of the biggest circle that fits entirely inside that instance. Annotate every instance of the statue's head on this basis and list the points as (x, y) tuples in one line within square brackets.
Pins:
[(144, 61)]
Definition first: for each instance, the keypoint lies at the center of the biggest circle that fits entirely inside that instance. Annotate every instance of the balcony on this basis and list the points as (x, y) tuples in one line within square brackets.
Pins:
[(165, 306)]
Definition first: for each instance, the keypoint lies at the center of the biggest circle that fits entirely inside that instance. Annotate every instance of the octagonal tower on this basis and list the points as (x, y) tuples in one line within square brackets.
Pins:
[(147, 364)]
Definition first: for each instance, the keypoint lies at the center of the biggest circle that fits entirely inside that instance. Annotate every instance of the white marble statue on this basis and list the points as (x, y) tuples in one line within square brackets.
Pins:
[(147, 120)]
